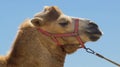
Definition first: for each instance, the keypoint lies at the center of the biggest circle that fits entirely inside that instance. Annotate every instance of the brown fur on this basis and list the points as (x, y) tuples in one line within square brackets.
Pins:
[(30, 51), (31, 48)]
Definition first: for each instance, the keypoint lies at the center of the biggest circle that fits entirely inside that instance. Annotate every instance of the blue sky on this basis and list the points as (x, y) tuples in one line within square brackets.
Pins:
[(106, 13)]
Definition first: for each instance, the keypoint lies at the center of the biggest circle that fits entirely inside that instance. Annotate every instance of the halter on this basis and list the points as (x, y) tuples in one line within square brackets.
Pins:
[(59, 35)]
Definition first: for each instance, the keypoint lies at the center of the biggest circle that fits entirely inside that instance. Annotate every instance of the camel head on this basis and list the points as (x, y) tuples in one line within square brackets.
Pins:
[(52, 20)]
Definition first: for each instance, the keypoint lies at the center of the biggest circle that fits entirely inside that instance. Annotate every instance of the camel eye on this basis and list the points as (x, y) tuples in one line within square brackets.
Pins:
[(63, 24)]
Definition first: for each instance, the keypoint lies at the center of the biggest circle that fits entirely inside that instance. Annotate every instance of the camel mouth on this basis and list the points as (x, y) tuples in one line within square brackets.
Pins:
[(94, 37), (94, 34)]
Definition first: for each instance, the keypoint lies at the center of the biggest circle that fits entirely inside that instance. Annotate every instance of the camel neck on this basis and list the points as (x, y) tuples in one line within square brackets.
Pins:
[(32, 47)]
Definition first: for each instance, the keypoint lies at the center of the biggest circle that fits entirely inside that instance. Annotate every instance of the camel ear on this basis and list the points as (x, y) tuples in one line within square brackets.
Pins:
[(37, 21), (52, 9), (53, 12), (49, 13)]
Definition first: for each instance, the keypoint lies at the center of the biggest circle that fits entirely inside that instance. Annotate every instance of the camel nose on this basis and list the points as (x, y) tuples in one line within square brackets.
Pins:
[(94, 28), (92, 24)]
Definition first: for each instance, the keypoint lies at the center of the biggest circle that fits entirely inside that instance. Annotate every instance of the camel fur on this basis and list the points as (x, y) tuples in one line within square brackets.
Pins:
[(31, 48)]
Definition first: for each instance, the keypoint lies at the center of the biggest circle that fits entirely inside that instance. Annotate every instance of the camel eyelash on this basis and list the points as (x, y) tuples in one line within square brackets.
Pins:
[(64, 23)]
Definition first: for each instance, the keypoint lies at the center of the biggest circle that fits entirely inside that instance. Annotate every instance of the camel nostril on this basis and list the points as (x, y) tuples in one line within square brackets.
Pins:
[(92, 24)]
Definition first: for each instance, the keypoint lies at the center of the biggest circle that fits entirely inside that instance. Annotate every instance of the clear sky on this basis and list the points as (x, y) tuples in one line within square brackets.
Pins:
[(106, 13)]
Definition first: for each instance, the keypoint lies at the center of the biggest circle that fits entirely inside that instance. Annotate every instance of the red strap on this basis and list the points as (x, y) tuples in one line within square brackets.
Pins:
[(56, 41), (80, 41), (76, 25), (64, 35), (44, 32)]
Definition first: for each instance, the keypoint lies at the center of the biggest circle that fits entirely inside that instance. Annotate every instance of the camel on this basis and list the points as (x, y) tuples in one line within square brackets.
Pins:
[(34, 48)]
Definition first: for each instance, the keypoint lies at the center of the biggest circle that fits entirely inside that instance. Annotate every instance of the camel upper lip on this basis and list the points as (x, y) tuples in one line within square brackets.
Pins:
[(96, 33), (93, 30)]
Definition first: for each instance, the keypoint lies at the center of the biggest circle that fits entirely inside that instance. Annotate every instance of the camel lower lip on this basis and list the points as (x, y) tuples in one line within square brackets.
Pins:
[(94, 38)]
